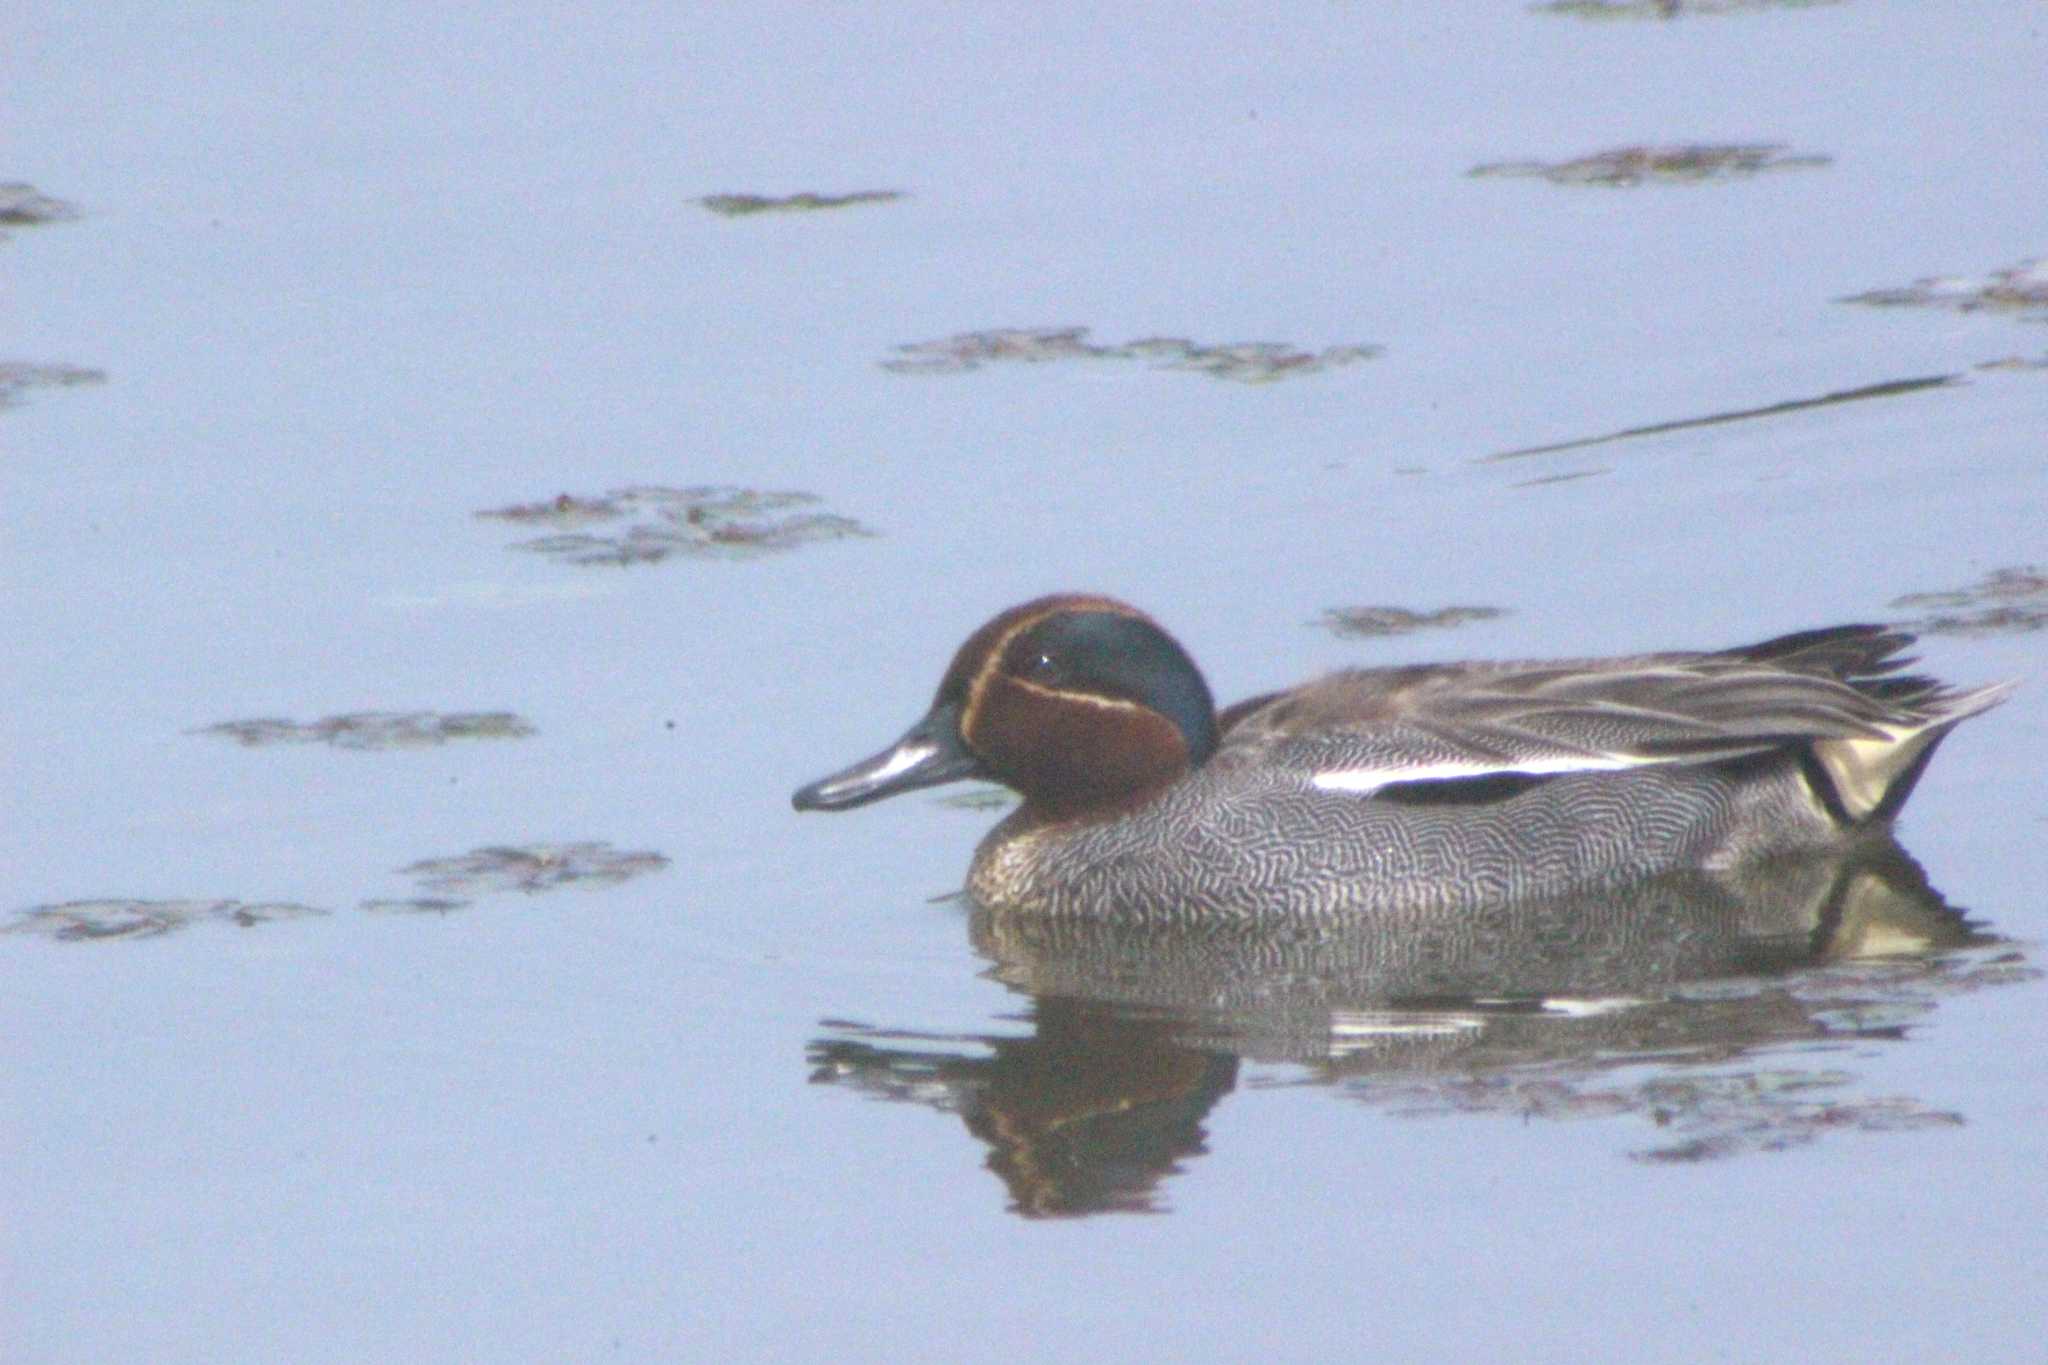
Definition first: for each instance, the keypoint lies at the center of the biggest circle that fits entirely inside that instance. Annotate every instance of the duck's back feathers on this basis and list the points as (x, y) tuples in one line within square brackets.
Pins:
[(1835, 696)]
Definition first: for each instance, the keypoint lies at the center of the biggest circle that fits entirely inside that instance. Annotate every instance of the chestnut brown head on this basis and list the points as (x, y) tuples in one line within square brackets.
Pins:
[(1081, 704)]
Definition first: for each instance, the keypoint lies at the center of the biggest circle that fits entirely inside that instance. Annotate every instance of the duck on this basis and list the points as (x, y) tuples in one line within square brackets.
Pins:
[(1404, 789)]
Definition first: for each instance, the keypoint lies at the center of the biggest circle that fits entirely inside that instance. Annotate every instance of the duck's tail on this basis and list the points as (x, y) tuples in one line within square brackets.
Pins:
[(1867, 780)]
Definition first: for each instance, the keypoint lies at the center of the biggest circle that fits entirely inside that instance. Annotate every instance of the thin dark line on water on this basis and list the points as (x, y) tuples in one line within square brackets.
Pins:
[(1889, 389)]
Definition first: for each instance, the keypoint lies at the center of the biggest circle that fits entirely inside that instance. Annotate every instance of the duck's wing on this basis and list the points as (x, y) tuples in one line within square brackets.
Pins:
[(1839, 690)]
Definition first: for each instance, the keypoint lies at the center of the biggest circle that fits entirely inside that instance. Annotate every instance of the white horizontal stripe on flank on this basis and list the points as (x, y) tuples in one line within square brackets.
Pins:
[(1372, 779)]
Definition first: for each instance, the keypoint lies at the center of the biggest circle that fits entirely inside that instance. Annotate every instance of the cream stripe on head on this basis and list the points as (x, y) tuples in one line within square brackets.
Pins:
[(1084, 698), (1048, 607)]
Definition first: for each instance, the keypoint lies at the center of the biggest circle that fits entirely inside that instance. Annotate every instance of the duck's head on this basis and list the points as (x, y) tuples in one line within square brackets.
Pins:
[(1080, 704)]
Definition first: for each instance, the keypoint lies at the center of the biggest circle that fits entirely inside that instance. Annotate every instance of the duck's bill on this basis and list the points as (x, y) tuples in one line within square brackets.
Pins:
[(928, 754)]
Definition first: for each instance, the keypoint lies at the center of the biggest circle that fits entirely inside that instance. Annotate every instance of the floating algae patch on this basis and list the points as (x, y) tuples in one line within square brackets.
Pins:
[(1682, 164), (1365, 623), (1250, 362), (415, 905), (2009, 601), (657, 523), (746, 205), (972, 350), (1667, 9), (566, 511), (2021, 290), (2014, 364), (25, 206), (16, 379), (76, 921), (369, 730), (532, 868)]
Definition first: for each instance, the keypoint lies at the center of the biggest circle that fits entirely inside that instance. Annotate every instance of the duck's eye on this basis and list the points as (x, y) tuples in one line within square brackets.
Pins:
[(1046, 669)]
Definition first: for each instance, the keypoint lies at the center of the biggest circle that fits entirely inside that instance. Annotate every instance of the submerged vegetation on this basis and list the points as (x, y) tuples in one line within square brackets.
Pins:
[(23, 205), (1680, 164), (2014, 364), (703, 522), (1666, 9), (532, 868), (17, 378), (2009, 601), (1364, 623), (446, 885), (1248, 362), (2018, 289), (375, 729), (743, 205), (75, 921)]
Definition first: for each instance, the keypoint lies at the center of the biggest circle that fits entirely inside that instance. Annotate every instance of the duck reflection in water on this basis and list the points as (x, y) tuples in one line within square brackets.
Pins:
[(1525, 1008)]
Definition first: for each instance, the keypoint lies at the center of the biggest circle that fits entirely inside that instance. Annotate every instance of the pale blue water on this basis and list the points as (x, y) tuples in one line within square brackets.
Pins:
[(354, 276)]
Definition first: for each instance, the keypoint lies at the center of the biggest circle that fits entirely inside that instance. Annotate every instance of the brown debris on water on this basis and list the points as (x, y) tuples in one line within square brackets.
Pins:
[(2009, 601), (2014, 364), (2021, 290), (703, 522), (414, 905), (1365, 623), (1680, 164), (1248, 362), (565, 510), (532, 868), (745, 205), (88, 920), (375, 730), (24, 205), (17, 378), (1667, 9)]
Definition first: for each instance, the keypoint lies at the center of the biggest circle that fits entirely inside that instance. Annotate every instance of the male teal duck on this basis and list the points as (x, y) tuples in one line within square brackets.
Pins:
[(1394, 789)]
